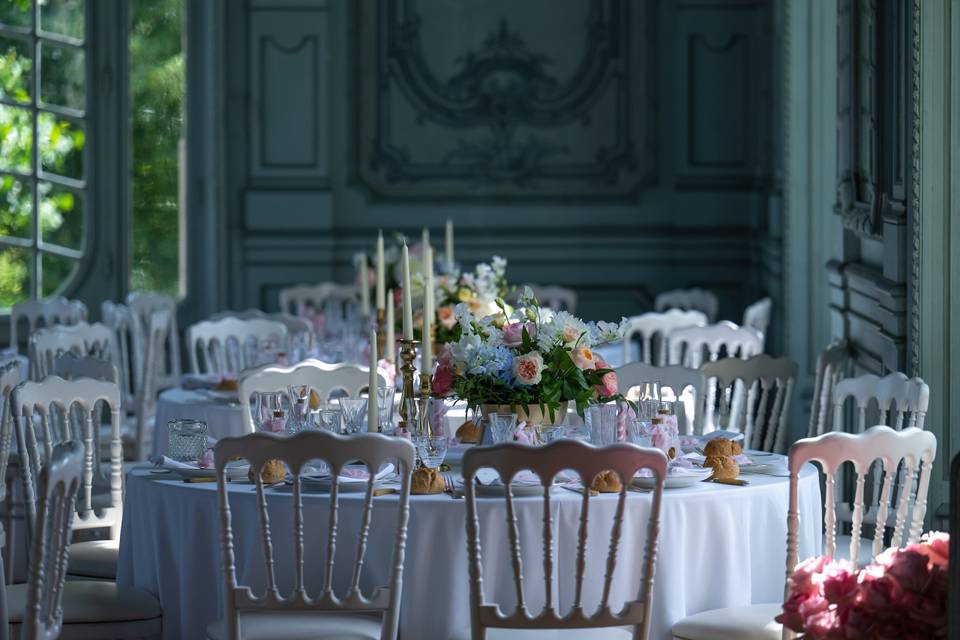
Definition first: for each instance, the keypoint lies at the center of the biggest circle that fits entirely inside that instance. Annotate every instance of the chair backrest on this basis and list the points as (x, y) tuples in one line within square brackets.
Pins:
[(833, 364), (297, 299), (144, 304), (83, 339), (911, 446), (54, 411), (9, 379), (50, 548), (555, 297), (128, 336), (371, 449), (226, 343), (696, 299), (624, 460), (653, 328), (319, 376), (757, 317), (692, 346), (157, 338), (910, 397), (675, 377), (762, 418), (70, 366), (297, 328), (45, 313)]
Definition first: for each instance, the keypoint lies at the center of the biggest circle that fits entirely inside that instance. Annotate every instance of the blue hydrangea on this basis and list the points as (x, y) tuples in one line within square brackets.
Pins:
[(485, 359)]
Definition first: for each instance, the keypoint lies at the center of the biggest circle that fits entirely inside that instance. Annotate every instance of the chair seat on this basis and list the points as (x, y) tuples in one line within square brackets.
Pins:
[(300, 626), (610, 633), (864, 556), (94, 559), (754, 622), (91, 602)]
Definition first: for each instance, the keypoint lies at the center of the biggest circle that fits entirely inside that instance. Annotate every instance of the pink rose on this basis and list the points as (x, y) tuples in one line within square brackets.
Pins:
[(513, 332), (909, 570), (444, 374), (583, 358), (528, 368), (570, 334), (447, 317), (608, 385), (840, 582), (936, 547)]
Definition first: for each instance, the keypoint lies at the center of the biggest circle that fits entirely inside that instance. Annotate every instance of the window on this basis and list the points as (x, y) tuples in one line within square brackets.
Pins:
[(43, 104)]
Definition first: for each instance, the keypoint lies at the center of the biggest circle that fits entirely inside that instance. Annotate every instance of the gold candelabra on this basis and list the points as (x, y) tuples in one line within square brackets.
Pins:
[(408, 352), (425, 393)]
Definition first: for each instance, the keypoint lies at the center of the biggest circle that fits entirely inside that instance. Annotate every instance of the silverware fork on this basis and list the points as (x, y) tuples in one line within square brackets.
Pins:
[(449, 487)]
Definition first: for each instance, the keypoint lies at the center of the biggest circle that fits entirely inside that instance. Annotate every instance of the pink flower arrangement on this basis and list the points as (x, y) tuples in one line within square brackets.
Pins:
[(608, 386), (903, 594), (513, 333), (444, 374)]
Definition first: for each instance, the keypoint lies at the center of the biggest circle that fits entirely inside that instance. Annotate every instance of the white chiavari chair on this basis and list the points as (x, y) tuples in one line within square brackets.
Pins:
[(297, 299), (757, 317), (322, 378), (230, 345), (751, 396), (299, 329), (687, 385), (54, 411), (833, 365), (83, 339), (554, 297), (49, 605), (912, 447), (652, 330), (487, 619), (9, 379), (326, 614), (687, 299), (693, 346), (47, 312), (129, 341), (144, 304)]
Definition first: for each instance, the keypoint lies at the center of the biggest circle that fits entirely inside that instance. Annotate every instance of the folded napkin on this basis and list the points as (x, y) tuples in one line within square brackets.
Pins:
[(352, 474), (729, 435), (200, 380)]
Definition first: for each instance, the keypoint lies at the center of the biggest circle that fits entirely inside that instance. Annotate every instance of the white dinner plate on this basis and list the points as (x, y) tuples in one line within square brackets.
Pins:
[(673, 481), (234, 472), (519, 489)]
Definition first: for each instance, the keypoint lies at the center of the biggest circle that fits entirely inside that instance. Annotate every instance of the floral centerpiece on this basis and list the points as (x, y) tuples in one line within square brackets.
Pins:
[(903, 594), (478, 289), (533, 362)]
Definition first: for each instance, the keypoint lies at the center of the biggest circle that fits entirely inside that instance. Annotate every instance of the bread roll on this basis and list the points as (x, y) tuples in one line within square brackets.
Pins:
[(426, 481), (606, 482), (724, 467), (718, 447), (469, 432), (273, 471)]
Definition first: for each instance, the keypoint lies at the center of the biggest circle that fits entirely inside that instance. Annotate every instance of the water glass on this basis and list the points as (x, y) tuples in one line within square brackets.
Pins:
[(354, 411), (603, 424), (431, 450), (385, 398), (412, 412), (329, 419), (502, 426), (186, 439), (549, 434)]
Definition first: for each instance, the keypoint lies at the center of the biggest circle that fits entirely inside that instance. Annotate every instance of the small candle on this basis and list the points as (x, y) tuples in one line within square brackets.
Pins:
[(390, 346), (373, 421), (449, 243), (407, 302), (364, 287), (425, 237), (426, 352), (381, 274)]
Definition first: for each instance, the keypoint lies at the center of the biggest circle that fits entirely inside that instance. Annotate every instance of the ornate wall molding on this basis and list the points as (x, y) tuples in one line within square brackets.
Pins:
[(915, 213)]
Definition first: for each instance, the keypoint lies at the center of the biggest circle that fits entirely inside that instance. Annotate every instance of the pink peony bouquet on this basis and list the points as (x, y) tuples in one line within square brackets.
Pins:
[(902, 595)]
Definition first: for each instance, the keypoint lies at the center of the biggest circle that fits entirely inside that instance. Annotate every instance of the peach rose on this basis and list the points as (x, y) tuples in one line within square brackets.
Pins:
[(528, 368), (570, 334), (583, 358), (447, 316)]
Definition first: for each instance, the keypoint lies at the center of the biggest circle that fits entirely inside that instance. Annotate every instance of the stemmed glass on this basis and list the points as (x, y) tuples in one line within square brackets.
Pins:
[(329, 419), (385, 398), (271, 412), (354, 410), (431, 450), (502, 426), (300, 407)]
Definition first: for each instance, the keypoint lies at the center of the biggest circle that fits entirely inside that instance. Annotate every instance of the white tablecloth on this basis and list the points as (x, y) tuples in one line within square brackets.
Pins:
[(719, 546)]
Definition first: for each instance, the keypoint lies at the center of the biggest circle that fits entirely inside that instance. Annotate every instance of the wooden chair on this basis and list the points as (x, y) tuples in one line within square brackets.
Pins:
[(757, 317), (297, 299), (144, 304), (652, 330), (49, 606), (322, 378), (555, 297), (831, 450), (9, 379), (751, 396), (693, 346), (44, 313), (486, 618), (326, 614), (225, 343), (687, 299), (83, 339), (833, 365), (676, 378)]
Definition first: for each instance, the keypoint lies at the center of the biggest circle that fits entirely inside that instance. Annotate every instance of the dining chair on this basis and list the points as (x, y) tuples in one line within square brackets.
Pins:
[(652, 329), (298, 329), (327, 614), (692, 346), (129, 340), (757, 317), (44, 313), (554, 297), (83, 339), (297, 299), (833, 365), (144, 304), (54, 411), (676, 378), (48, 606), (9, 378), (687, 299), (322, 378), (751, 396), (953, 568), (230, 345), (487, 620), (911, 446)]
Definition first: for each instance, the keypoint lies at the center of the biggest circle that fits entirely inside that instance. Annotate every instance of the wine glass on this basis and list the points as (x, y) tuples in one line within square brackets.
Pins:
[(431, 450), (354, 410), (385, 399), (299, 406), (502, 426), (329, 419), (271, 412)]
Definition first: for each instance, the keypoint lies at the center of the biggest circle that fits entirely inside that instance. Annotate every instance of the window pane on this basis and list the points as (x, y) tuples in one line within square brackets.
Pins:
[(15, 65), (16, 135), (16, 13), (61, 215), (62, 17), (14, 275), (15, 205), (56, 271), (61, 76), (61, 145)]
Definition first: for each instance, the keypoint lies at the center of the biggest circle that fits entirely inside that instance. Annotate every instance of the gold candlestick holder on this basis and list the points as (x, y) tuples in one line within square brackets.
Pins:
[(408, 352), (382, 334), (425, 393)]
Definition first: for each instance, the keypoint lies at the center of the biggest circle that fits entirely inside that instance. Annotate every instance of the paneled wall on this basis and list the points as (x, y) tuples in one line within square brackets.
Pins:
[(618, 147)]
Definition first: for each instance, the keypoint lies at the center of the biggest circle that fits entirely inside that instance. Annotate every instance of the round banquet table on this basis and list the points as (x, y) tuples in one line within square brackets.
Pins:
[(719, 546)]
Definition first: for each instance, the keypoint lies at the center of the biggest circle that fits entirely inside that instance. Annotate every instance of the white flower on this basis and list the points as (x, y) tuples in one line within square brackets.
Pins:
[(528, 368)]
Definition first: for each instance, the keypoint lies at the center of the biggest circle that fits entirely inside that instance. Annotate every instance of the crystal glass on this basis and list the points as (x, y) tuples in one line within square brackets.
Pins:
[(431, 450), (649, 400), (300, 414), (502, 426), (550, 434), (272, 412), (385, 399), (329, 419), (186, 439), (354, 411), (413, 412), (603, 424)]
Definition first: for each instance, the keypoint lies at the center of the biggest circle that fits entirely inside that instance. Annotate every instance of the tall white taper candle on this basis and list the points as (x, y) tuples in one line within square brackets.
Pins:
[(449, 244), (426, 350), (407, 302), (390, 346), (364, 287), (373, 420), (381, 274)]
